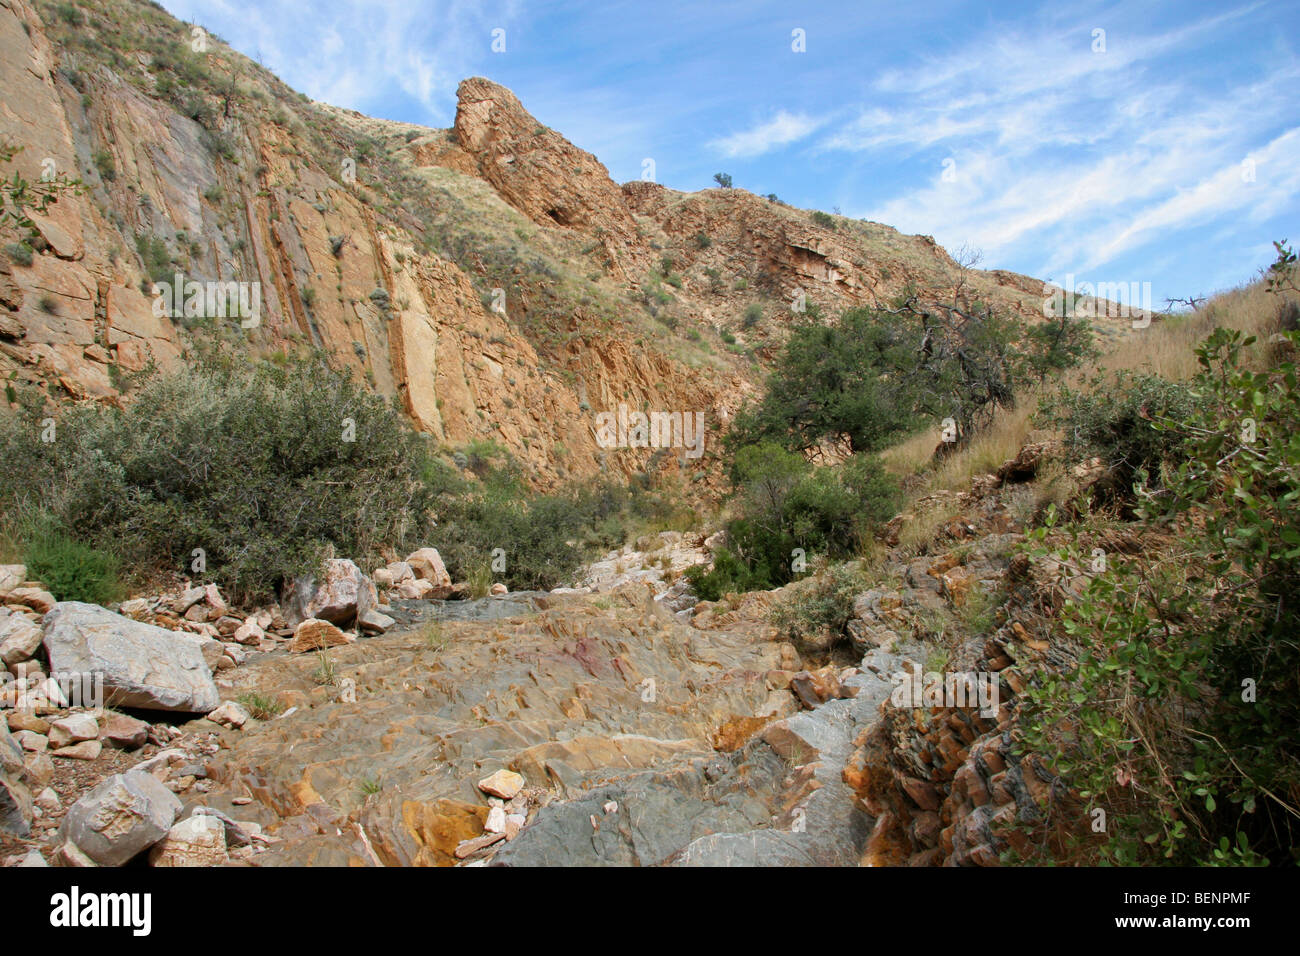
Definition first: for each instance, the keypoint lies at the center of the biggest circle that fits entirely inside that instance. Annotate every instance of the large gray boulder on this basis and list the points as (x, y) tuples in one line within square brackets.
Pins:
[(143, 665), (340, 595), (121, 818)]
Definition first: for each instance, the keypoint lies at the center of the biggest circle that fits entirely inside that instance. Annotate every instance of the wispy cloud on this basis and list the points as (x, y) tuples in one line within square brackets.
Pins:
[(781, 130)]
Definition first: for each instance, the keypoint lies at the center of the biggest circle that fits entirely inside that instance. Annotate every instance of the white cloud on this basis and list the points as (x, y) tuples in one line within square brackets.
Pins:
[(781, 130)]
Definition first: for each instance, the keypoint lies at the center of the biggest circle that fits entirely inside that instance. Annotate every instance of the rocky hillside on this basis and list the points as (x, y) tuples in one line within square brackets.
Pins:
[(492, 277)]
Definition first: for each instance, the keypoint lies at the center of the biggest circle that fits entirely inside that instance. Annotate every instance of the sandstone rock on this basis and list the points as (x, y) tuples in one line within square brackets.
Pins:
[(121, 817), (504, 784), (15, 807), (32, 742), (73, 729), (20, 721), (427, 565), (382, 577), (415, 589), (250, 632), (142, 665), (496, 820), (499, 588), (49, 801), (33, 859), (230, 714), (86, 750), (314, 635), (373, 622), (35, 598), (196, 841), (19, 639), (400, 571), (339, 596), (11, 576)]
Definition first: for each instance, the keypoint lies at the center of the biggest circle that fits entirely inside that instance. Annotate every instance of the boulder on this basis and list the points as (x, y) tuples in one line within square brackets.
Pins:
[(373, 622), (19, 639), (142, 665), (427, 566), (15, 807), (315, 635), (37, 599), (196, 841), (342, 593), (11, 576), (121, 818)]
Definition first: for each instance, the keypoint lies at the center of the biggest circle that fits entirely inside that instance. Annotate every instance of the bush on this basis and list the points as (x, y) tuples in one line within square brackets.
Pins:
[(20, 253), (71, 570), (822, 603), (1182, 718), (1119, 419), (103, 161), (265, 468), (784, 505), (824, 219)]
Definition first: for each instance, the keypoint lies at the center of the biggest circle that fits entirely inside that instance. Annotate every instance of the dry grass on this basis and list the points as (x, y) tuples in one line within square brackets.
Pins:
[(1166, 348)]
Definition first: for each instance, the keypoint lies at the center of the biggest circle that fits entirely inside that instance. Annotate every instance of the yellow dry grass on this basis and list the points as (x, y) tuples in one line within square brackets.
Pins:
[(1166, 348)]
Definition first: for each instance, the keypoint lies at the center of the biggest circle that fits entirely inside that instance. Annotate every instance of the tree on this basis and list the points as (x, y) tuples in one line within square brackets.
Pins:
[(723, 180)]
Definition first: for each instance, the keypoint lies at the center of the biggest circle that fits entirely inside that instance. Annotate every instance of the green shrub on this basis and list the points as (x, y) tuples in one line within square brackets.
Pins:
[(825, 602), (753, 313), (250, 462), (20, 253), (1182, 718), (71, 570), (785, 508), (1120, 418), (103, 161), (824, 219)]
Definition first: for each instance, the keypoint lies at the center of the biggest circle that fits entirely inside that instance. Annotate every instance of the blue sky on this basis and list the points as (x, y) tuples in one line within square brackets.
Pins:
[(1164, 150)]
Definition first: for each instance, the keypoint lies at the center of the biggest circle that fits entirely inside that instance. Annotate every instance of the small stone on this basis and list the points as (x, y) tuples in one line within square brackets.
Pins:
[(231, 714), (611, 806), (32, 742), (250, 632), (86, 750), (496, 820), (48, 800), (314, 634), (73, 730), (373, 622), (22, 721), (498, 589), (503, 783)]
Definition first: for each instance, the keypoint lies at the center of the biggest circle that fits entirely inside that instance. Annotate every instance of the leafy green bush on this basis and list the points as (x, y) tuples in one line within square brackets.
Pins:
[(784, 505), (824, 219), (1122, 419), (822, 603), (1182, 718), (264, 468), (71, 570)]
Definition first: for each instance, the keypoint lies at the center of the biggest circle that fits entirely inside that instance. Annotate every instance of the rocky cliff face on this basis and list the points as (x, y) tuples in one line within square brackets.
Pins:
[(492, 277)]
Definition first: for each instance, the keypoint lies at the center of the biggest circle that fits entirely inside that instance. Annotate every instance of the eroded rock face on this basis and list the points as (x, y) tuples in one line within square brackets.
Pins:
[(121, 818), (142, 665)]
